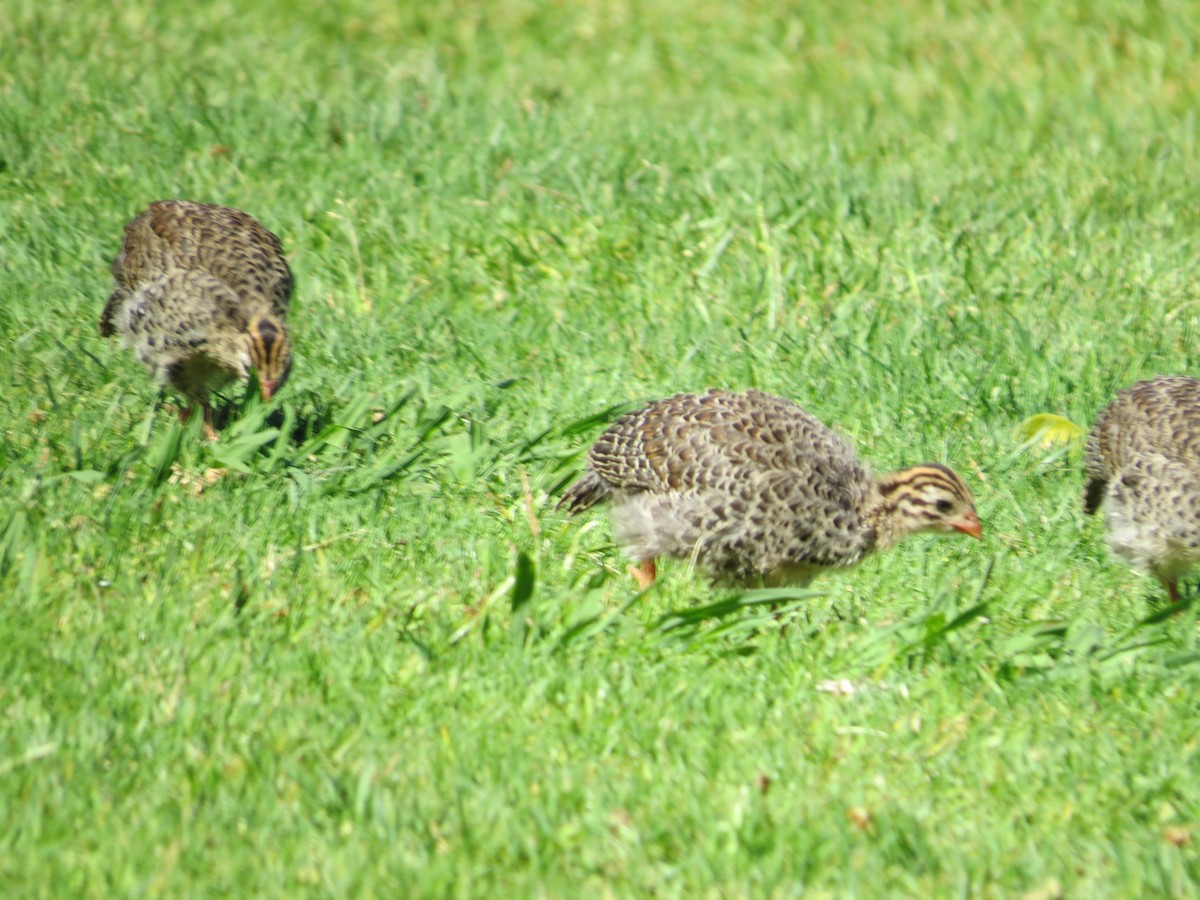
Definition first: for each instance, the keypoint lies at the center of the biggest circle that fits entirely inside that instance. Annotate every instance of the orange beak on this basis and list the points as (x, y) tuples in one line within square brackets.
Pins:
[(268, 389), (969, 524)]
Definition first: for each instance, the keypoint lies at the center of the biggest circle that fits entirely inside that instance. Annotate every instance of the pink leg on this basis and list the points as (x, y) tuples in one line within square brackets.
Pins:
[(186, 413), (644, 574), (210, 432), (1173, 591)]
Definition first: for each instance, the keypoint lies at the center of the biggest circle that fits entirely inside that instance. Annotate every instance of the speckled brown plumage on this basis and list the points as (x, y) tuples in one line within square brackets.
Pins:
[(201, 295), (754, 488), (1143, 464)]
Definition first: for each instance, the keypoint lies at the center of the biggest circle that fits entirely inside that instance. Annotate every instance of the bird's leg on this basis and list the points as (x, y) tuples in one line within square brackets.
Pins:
[(186, 413), (1173, 590), (644, 574), (210, 432)]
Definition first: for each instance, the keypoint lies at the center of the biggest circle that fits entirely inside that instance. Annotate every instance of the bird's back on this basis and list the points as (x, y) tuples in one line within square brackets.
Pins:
[(226, 243), (1157, 418), (748, 483), (702, 441)]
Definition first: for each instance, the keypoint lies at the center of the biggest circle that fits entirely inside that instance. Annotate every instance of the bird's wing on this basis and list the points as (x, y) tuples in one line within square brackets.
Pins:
[(702, 441), (228, 244)]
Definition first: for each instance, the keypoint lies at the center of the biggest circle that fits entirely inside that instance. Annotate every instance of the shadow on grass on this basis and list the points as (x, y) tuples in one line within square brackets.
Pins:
[(300, 429), (349, 448)]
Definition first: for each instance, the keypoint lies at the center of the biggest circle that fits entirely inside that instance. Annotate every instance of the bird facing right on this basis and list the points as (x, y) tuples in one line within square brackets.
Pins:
[(1143, 464), (757, 490), (202, 294)]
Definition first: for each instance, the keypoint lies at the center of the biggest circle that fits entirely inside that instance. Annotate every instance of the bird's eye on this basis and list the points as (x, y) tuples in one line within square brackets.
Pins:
[(944, 505)]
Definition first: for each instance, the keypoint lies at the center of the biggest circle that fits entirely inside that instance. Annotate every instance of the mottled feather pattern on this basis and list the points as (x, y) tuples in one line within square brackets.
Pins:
[(180, 316), (229, 244), (757, 484), (1143, 465), (1159, 415), (687, 440), (749, 485), (201, 294)]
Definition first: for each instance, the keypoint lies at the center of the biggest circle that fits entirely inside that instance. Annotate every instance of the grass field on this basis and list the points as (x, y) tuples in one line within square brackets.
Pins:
[(352, 650)]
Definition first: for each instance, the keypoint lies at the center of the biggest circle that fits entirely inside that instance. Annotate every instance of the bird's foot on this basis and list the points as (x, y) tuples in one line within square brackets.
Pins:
[(1173, 592), (644, 574), (210, 432)]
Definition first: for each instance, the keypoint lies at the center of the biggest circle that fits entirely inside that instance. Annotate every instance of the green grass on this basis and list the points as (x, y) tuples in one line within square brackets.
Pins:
[(371, 659)]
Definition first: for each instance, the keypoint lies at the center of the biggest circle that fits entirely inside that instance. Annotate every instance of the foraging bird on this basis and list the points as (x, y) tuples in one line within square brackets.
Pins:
[(755, 489), (1143, 463), (202, 294)]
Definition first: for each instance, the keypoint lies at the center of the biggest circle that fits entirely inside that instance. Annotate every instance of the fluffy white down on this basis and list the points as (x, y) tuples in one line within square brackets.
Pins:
[(648, 526), (1147, 545), (1138, 544)]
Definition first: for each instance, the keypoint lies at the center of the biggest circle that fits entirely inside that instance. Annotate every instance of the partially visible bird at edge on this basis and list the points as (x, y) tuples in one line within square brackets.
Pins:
[(1142, 463)]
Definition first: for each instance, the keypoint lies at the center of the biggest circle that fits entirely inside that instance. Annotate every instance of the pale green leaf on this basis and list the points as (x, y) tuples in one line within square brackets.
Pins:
[(1048, 429)]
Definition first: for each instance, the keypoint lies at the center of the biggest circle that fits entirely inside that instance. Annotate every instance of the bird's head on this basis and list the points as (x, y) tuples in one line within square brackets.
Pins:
[(270, 353), (929, 497)]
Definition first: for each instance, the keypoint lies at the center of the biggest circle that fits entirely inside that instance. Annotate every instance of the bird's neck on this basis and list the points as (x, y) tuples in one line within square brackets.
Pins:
[(881, 506)]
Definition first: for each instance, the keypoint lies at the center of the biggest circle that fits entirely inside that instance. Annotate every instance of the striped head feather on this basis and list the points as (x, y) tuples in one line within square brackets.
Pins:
[(270, 353), (928, 497)]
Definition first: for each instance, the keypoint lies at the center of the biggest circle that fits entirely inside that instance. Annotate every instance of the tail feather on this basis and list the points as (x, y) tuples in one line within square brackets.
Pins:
[(585, 493), (1093, 494), (107, 326)]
